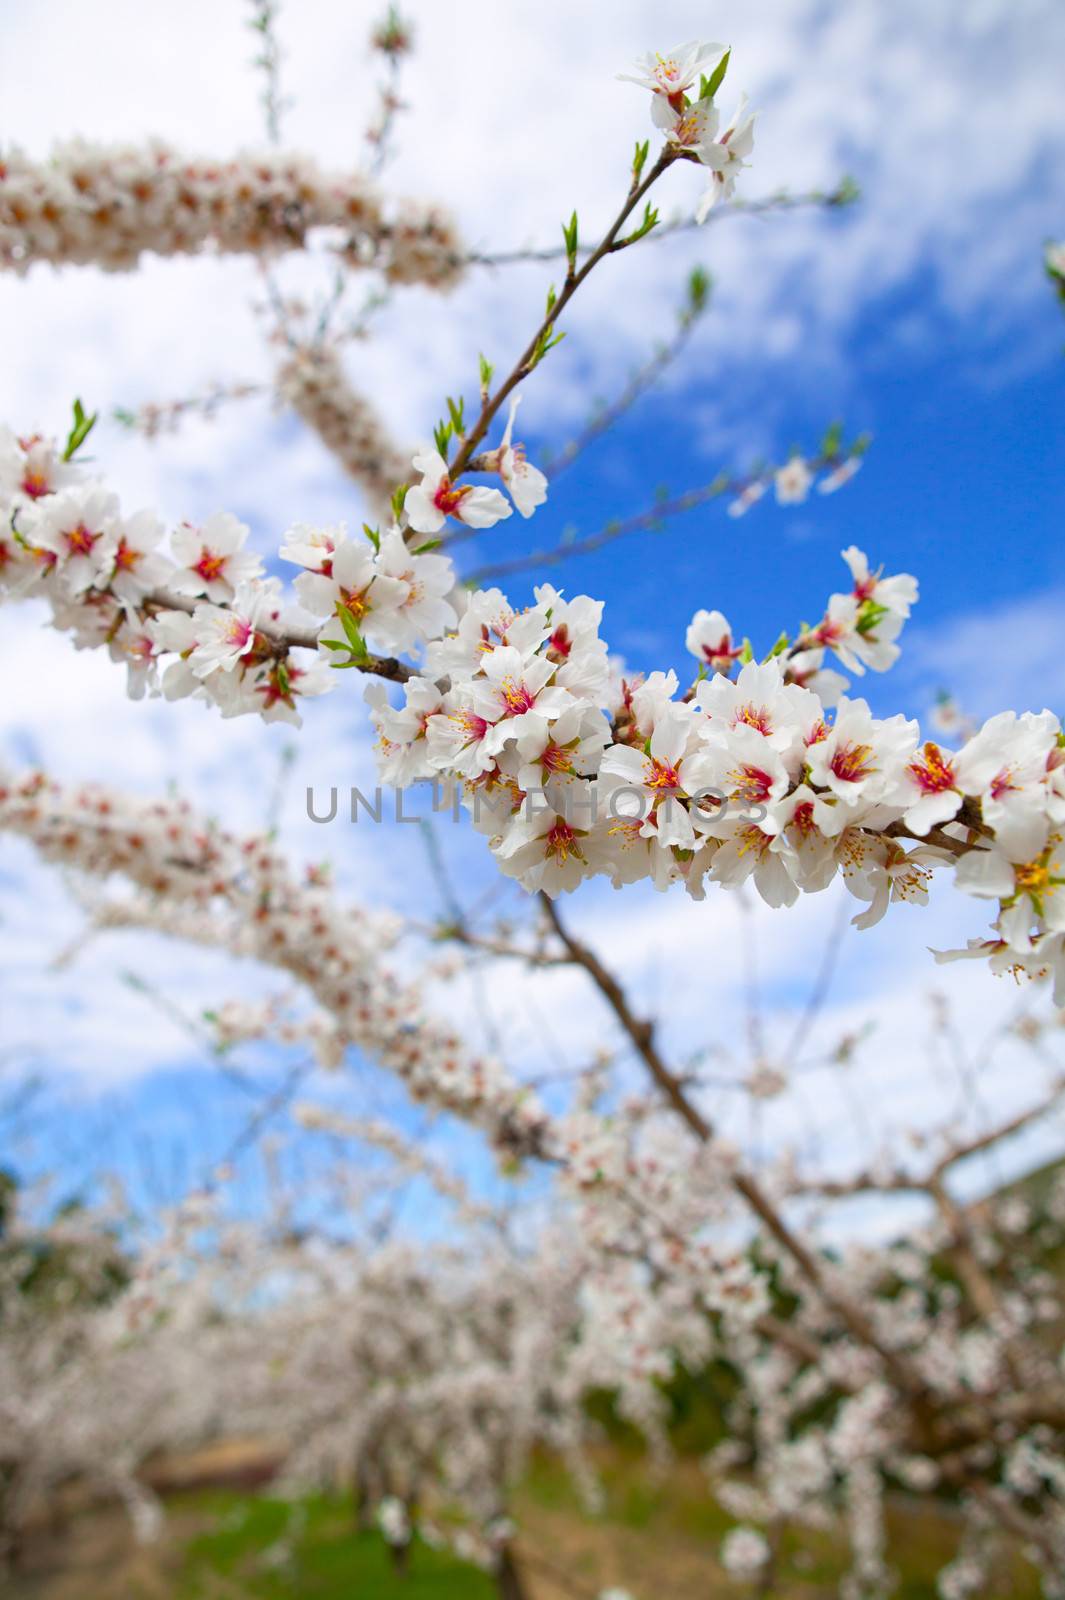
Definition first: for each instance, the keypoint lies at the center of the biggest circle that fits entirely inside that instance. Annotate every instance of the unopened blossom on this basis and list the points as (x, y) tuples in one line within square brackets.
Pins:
[(727, 156), (526, 484), (211, 559), (792, 482), (748, 496), (709, 639), (572, 641), (672, 74), (839, 475), (428, 504)]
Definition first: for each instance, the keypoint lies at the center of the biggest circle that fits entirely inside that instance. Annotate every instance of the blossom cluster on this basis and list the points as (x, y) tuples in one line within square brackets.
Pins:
[(683, 84), (110, 205), (200, 883), (313, 382)]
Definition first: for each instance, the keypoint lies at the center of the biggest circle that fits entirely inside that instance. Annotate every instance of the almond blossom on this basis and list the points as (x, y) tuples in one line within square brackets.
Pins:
[(212, 559), (428, 504)]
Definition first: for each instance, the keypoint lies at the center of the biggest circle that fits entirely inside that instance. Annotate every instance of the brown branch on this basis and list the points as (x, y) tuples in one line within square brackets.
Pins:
[(609, 243), (641, 1032)]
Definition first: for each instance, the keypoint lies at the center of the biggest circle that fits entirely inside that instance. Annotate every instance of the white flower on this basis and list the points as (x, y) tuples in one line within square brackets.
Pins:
[(1006, 767), (515, 695), (130, 560), (793, 482), (286, 681), (425, 611), (73, 526), (1029, 889), (709, 639), (692, 127), (929, 788), (573, 641), (227, 635), (403, 746), (355, 588), (212, 559), (526, 484), (428, 504), (570, 746), (677, 71), (727, 157), (554, 841), (658, 776), (788, 717), (489, 620), (860, 760), (744, 1552)]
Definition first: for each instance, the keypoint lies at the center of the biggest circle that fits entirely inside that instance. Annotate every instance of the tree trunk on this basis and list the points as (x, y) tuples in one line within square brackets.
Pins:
[(509, 1582)]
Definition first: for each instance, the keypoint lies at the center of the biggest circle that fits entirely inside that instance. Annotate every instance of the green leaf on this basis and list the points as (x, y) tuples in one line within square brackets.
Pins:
[(398, 497), (441, 437), (373, 534), (780, 646), (699, 283), (832, 440), (457, 414), (869, 614), (355, 638), (639, 160), (746, 654), (569, 234), (487, 370), (709, 86), (83, 426), (334, 644), (430, 544)]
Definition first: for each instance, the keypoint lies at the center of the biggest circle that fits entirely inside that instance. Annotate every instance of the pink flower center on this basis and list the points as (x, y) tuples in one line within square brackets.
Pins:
[(80, 540), (753, 716), (560, 841), (209, 566), (931, 770), (852, 762), (447, 498), (751, 783), (516, 697), (662, 776)]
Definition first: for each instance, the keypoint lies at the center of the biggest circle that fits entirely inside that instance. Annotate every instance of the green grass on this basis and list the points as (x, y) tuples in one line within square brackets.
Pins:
[(329, 1560)]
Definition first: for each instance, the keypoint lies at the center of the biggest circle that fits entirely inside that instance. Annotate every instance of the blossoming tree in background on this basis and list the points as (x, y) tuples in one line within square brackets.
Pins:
[(929, 1365)]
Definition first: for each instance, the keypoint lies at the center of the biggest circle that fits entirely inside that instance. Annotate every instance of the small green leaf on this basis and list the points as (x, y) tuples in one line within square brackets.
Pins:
[(487, 370), (373, 534), (746, 654), (832, 440), (780, 646), (430, 544), (709, 86), (699, 283), (355, 638), (83, 426), (639, 160), (457, 415)]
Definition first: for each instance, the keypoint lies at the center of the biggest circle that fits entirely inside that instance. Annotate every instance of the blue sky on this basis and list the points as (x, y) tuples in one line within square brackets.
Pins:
[(921, 315)]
